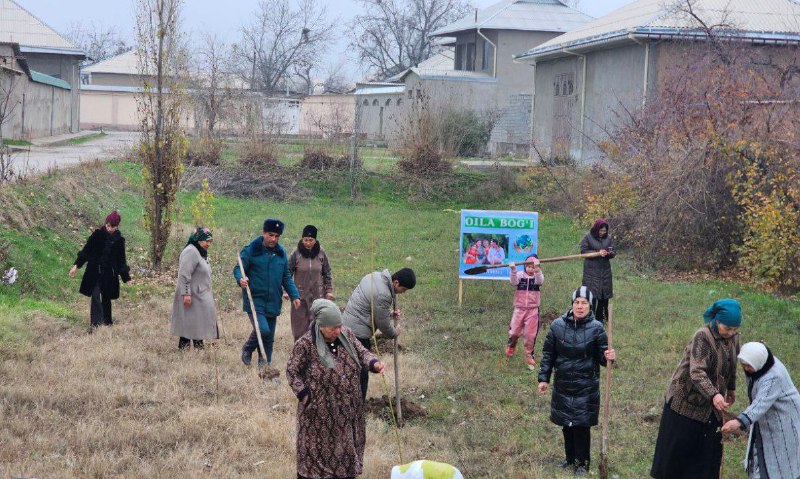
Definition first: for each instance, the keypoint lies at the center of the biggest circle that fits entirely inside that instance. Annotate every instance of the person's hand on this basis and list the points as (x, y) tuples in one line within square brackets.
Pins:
[(378, 367), (732, 426), (513, 266), (730, 398), (397, 331), (396, 315), (611, 355), (129, 282), (604, 252), (329, 296), (296, 304), (543, 387), (244, 282), (187, 300), (719, 403), (72, 271), (285, 296)]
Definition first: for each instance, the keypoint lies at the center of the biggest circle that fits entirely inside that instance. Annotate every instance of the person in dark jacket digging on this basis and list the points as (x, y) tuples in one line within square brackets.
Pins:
[(597, 271), (104, 252), (576, 346), (266, 271)]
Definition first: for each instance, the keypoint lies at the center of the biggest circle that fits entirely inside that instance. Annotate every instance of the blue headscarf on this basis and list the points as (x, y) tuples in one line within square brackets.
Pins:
[(725, 311)]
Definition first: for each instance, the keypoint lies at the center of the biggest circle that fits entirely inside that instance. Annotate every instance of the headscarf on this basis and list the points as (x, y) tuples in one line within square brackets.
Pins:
[(760, 358), (599, 223), (113, 218), (200, 233), (327, 315)]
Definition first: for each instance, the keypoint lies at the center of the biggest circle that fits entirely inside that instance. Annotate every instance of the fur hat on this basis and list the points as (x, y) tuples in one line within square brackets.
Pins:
[(310, 231), (271, 225)]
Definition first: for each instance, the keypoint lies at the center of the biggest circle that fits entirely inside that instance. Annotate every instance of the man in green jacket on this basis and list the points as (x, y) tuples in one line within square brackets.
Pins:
[(266, 271)]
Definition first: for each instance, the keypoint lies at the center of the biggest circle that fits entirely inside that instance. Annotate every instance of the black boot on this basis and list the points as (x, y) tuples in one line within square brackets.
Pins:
[(247, 357), (582, 469)]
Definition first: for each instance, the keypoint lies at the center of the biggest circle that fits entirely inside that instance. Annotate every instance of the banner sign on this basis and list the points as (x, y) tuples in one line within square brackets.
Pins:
[(496, 237)]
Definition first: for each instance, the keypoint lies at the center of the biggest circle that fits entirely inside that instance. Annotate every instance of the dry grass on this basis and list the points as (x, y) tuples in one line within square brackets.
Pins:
[(125, 402)]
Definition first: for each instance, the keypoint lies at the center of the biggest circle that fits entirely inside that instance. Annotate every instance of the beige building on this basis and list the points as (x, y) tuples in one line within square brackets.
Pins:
[(328, 115), (45, 70)]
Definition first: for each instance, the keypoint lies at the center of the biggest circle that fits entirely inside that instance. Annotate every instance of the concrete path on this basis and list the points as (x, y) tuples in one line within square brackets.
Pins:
[(36, 159), (486, 164)]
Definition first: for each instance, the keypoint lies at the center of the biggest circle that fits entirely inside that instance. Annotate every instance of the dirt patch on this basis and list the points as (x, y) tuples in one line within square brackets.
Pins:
[(386, 346), (548, 317), (379, 407), (272, 183)]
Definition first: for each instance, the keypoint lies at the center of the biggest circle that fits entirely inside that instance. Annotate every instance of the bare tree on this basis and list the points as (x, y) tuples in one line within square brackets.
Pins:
[(282, 40), (161, 62), (392, 35), (9, 81), (334, 80), (98, 41), (212, 81)]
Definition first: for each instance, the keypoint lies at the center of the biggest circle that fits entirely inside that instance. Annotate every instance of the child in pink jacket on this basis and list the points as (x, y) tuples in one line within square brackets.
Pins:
[(526, 307)]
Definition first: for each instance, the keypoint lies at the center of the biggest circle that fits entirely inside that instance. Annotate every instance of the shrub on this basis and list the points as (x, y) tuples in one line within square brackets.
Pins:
[(465, 133), (204, 151), (259, 151)]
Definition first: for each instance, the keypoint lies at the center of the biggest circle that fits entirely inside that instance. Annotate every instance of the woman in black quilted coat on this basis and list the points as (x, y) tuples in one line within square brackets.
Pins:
[(575, 347)]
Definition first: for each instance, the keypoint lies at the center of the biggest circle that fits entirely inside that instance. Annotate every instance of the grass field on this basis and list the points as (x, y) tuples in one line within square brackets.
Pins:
[(124, 402)]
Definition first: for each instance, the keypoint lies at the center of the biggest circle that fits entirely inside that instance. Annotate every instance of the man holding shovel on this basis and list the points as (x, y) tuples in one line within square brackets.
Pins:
[(266, 272), (372, 305)]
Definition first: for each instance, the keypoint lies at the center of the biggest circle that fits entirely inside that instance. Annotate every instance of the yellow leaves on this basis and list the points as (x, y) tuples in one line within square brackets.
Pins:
[(203, 206)]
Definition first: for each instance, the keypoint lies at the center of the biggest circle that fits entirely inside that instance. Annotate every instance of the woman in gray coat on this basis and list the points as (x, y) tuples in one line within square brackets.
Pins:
[(773, 417), (597, 271), (311, 271), (194, 316)]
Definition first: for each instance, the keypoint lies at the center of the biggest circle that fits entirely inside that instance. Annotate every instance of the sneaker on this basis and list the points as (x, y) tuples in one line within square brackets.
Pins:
[(566, 464), (247, 357), (581, 471), (531, 362), (510, 350)]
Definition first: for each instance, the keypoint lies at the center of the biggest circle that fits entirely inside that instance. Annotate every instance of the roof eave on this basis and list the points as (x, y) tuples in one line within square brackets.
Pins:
[(75, 52)]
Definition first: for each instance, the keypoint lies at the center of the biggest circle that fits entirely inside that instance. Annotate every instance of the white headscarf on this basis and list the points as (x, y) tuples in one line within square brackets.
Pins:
[(754, 354)]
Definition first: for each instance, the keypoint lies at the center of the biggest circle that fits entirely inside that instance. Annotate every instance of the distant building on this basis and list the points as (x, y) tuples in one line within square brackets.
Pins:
[(477, 71), (585, 78), (45, 69)]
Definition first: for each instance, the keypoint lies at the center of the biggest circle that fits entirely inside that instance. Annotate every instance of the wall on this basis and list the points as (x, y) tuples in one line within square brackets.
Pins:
[(329, 114), (42, 110), (67, 68), (381, 115), (115, 79)]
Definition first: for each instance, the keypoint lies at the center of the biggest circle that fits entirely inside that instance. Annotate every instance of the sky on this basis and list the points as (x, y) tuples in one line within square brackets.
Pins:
[(226, 17)]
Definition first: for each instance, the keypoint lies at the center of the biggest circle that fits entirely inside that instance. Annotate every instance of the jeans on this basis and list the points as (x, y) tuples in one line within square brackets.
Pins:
[(100, 310), (267, 325)]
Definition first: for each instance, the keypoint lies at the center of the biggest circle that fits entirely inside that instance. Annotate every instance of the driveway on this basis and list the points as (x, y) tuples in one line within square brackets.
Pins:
[(38, 159)]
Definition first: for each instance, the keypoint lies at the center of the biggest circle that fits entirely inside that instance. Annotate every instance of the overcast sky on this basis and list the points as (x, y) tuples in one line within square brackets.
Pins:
[(223, 17)]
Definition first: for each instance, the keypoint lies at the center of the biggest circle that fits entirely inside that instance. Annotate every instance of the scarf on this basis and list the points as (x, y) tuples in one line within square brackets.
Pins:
[(308, 253), (327, 314)]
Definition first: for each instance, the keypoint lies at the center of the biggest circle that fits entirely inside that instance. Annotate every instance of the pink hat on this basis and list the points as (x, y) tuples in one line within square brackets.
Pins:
[(113, 218)]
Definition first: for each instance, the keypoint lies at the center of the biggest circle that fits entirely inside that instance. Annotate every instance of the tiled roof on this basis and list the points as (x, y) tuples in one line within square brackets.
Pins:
[(526, 15), (764, 19)]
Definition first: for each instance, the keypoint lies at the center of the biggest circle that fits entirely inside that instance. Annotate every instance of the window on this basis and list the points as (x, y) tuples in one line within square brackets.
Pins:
[(375, 102), (564, 84), (459, 57), (419, 93), (486, 58), (400, 101), (410, 94), (389, 102), (469, 63), (366, 102)]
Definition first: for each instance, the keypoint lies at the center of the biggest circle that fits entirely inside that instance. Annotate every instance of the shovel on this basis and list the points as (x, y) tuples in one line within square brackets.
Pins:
[(607, 401), (484, 268), (266, 372)]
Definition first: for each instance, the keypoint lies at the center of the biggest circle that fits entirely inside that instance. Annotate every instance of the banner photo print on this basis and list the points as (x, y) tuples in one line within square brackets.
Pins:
[(496, 237)]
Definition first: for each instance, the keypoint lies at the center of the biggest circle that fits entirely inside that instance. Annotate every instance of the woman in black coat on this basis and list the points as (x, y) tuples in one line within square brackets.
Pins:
[(575, 347), (597, 271), (105, 254)]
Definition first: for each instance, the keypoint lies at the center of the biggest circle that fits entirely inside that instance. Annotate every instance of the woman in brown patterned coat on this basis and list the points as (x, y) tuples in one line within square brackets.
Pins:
[(323, 372), (689, 444)]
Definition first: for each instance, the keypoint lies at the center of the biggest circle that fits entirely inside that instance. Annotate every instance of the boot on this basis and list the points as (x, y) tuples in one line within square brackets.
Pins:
[(566, 464), (582, 469), (511, 347), (247, 357)]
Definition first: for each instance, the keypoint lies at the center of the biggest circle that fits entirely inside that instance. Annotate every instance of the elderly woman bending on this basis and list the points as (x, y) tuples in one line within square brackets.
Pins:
[(773, 417), (689, 444), (323, 372)]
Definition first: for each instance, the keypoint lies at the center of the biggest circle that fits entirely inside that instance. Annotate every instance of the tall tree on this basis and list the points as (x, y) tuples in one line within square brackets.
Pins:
[(162, 60), (212, 80), (98, 41), (283, 39), (392, 35)]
